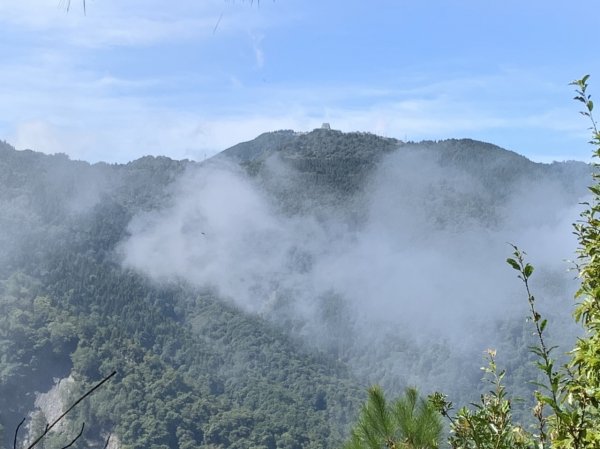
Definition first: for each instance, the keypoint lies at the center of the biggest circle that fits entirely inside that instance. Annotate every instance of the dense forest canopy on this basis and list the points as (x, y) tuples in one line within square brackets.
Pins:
[(246, 301)]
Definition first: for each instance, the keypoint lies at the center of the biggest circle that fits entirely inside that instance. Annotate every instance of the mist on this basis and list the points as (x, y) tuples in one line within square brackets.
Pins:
[(418, 253), (33, 213)]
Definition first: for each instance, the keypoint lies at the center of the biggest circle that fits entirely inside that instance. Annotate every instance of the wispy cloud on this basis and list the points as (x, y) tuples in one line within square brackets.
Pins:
[(83, 115), (259, 53)]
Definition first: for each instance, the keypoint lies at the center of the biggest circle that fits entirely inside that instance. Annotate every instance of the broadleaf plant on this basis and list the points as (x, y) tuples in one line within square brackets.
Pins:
[(567, 402)]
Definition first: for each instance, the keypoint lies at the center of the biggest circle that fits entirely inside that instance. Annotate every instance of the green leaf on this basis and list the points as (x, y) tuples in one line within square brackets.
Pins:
[(528, 270), (513, 263)]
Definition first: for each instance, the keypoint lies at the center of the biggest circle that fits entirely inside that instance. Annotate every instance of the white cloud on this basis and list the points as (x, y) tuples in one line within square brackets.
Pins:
[(421, 246), (96, 124)]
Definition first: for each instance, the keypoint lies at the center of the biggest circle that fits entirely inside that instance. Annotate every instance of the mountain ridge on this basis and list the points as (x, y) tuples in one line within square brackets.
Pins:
[(270, 142), (195, 366)]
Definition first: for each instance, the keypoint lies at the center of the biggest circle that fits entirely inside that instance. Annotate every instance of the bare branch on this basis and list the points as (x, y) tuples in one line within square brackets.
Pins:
[(76, 438), (17, 433)]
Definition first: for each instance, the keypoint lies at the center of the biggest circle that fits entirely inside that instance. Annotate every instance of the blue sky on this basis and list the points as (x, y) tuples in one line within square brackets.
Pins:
[(189, 78)]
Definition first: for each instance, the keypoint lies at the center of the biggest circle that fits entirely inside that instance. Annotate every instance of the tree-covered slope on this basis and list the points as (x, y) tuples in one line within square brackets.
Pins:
[(191, 369), (197, 364)]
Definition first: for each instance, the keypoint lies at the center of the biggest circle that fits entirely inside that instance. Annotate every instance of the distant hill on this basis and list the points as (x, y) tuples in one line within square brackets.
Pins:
[(344, 159), (265, 144), (196, 368)]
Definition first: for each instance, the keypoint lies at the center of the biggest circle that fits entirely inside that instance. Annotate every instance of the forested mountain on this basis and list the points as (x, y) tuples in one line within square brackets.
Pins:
[(248, 300)]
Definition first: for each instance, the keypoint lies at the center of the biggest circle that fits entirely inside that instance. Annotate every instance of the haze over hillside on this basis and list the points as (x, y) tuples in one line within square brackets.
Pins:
[(274, 281), (354, 239)]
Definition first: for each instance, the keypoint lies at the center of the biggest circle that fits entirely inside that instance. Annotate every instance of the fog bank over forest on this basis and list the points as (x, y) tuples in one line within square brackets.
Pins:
[(417, 251)]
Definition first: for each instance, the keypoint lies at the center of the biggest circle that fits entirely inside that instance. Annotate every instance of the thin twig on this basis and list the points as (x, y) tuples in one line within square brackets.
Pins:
[(217, 24), (76, 438), (107, 440), (17, 433), (68, 4)]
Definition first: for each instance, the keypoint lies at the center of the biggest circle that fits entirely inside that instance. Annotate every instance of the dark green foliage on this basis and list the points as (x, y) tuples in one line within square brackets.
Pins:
[(195, 384), (34, 340), (488, 424)]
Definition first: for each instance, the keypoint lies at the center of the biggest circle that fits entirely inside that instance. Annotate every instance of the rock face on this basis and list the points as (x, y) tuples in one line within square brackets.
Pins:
[(48, 407), (52, 404)]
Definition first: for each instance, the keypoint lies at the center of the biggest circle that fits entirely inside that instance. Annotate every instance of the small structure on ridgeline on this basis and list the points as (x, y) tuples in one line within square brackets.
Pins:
[(325, 125)]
